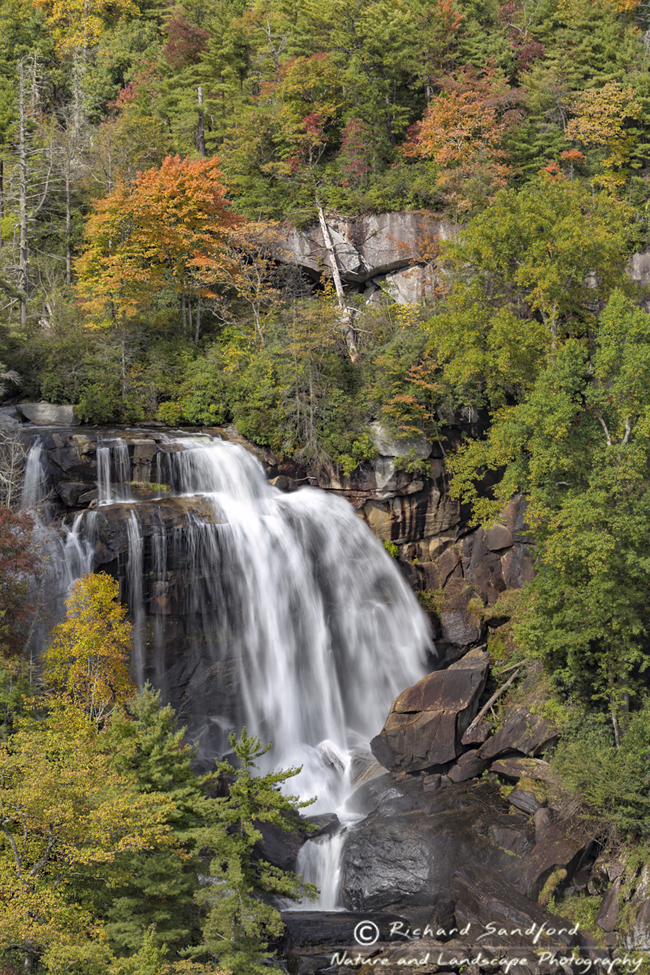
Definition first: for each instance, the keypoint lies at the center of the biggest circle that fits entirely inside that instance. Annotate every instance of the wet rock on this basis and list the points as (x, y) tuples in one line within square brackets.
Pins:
[(279, 847), (70, 492), (48, 414), (284, 483), (562, 847), (311, 938), (325, 824), (409, 848), (426, 722), (521, 732)]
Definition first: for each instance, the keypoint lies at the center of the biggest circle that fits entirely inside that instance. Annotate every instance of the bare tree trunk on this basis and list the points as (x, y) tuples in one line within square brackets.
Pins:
[(68, 219), (197, 331), (201, 123), (2, 197), (22, 161), (346, 315)]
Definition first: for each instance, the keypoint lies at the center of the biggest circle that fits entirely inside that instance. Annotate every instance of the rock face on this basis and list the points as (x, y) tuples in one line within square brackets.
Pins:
[(47, 414), (367, 248), (427, 721)]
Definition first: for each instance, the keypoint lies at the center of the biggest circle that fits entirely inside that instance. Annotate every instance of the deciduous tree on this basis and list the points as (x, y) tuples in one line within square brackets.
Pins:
[(168, 231), (89, 653)]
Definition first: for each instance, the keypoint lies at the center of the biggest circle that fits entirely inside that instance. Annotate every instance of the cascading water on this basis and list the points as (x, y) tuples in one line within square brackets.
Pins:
[(289, 597)]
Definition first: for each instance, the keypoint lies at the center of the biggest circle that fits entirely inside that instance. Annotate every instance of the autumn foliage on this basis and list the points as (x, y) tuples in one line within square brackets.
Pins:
[(463, 131), (88, 657), (167, 231)]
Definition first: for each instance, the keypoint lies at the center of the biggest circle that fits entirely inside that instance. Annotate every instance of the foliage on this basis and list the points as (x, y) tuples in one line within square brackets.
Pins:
[(463, 131), (528, 273), (63, 810), (168, 230), (578, 447), (89, 653), (241, 920), (19, 565), (612, 781), (153, 906)]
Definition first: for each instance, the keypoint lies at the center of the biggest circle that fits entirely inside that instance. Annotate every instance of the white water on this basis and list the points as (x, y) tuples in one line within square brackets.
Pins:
[(324, 630)]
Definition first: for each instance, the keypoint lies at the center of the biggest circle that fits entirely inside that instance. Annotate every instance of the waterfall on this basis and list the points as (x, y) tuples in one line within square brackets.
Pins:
[(295, 620), (113, 471)]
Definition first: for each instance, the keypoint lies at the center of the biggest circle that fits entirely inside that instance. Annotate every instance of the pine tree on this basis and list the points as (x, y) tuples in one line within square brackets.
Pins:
[(240, 924), (158, 895)]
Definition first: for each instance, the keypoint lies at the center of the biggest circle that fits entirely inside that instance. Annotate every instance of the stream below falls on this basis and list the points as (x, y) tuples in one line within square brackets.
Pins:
[(281, 612)]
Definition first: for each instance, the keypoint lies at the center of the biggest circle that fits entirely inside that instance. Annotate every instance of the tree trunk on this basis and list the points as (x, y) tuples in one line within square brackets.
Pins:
[(68, 219), (197, 331), (346, 314), (22, 209), (2, 197), (201, 123)]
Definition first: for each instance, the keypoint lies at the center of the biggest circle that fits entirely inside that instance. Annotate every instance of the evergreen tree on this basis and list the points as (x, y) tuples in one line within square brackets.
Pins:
[(241, 918), (157, 895)]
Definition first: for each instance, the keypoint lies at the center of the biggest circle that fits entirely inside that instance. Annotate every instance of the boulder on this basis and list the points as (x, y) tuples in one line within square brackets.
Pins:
[(608, 913), (562, 847), (477, 734), (468, 766), (460, 624), (10, 419), (48, 414), (390, 445), (70, 492), (409, 286), (522, 732), (427, 721), (484, 898), (526, 801), (311, 939), (528, 768), (409, 848)]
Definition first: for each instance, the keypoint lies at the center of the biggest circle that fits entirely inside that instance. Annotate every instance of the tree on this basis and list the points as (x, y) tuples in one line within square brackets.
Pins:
[(78, 24), (166, 232), (602, 120), (19, 566), (89, 653), (239, 922), (578, 447), (463, 131), (531, 270), (64, 812), (154, 904)]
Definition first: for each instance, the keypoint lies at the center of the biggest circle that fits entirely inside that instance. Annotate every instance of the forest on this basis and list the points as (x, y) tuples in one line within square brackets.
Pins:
[(153, 155)]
